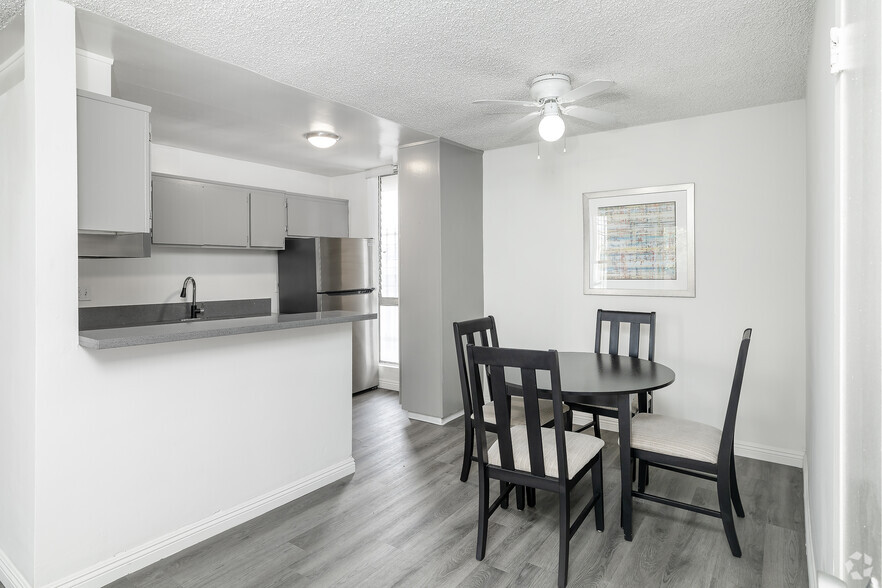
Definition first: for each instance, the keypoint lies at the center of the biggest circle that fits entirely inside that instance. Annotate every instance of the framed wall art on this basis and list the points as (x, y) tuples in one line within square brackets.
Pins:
[(640, 242)]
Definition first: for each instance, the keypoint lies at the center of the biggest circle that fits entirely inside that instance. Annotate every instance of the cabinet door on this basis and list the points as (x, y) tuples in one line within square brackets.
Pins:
[(267, 220), (225, 216), (113, 165), (177, 211), (312, 216)]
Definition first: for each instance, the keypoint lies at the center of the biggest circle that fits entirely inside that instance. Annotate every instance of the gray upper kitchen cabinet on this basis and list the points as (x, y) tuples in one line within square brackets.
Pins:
[(113, 164), (224, 216), (177, 211), (190, 212), (313, 216), (267, 220)]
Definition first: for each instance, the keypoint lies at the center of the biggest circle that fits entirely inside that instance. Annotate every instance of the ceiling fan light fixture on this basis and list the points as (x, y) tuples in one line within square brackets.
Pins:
[(322, 139), (551, 126)]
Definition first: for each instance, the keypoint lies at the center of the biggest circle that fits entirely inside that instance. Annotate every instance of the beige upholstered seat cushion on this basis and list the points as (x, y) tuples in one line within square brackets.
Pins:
[(518, 416), (580, 450), (677, 437)]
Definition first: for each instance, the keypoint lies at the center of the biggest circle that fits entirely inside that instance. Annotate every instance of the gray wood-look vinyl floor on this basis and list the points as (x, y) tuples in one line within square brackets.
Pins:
[(405, 519)]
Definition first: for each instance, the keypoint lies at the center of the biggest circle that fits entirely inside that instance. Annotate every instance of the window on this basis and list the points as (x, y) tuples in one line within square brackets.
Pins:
[(389, 270)]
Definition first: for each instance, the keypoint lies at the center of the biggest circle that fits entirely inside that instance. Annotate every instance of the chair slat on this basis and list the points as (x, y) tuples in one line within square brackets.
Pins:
[(634, 340), (502, 409), (614, 328), (534, 426)]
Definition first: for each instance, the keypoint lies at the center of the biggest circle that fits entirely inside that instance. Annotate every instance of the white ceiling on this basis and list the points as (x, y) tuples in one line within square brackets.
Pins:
[(207, 105), (422, 63)]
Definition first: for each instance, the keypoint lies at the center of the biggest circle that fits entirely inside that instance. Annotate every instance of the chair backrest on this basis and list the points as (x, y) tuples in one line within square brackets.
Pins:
[(495, 360), (615, 318), (728, 438), (481, 331)]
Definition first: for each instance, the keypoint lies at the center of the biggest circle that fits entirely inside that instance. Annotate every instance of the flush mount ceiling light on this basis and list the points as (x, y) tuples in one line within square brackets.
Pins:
[(322, 139), (553, 98)]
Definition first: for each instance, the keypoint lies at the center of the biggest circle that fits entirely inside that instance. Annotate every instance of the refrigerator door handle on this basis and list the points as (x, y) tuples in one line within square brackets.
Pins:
[(348, 292)]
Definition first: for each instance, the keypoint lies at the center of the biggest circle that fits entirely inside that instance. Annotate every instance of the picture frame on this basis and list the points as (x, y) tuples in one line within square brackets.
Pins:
[(640, 242)]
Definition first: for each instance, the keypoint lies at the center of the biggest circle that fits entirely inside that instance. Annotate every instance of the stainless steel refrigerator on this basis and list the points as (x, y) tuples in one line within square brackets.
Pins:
[(326, 273)]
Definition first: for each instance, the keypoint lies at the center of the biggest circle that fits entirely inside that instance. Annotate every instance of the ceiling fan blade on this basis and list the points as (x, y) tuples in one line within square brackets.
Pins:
[(592, 115), (586, 90), (523, 122), (509, 103)]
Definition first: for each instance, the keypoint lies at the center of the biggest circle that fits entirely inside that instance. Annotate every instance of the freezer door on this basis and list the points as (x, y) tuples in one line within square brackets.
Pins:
[(365, 348), (343, 264)]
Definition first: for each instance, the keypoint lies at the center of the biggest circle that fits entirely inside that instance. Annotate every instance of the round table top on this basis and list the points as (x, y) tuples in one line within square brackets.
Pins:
[(599, 373)]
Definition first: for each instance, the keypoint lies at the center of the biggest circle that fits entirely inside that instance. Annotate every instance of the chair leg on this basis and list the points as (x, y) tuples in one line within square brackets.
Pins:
[(483, 511), (568, 420), (642, 475), (503, 486), (564, 556), (531, 497), (633, 469), (725, 499), (596, 424), (519, 497), (597, 484), (733, 486), (467, 451)]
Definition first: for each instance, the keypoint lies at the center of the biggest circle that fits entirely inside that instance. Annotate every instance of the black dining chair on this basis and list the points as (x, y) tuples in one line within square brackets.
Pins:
[(550, 459), (616, 318), (694, 449), (482, 331)]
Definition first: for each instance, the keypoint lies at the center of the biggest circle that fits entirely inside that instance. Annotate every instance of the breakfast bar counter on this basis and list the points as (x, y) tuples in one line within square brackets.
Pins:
[(201, 329)]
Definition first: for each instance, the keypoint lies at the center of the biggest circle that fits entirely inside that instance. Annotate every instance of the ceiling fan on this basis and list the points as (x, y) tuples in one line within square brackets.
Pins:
[(553, 96)]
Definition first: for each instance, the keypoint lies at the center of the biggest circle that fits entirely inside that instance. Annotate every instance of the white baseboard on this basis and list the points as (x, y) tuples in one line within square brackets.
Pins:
[(130, 561), (771, 454), (742, 448), (433, 420), (10, 575), (389, 377), (809, 545), (389, 384)]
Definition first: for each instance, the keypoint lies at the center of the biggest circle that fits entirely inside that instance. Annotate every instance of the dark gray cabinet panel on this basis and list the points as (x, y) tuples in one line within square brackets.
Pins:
[(267, 220), (113, 164), (177, 211), (224, 216), (313, 216)]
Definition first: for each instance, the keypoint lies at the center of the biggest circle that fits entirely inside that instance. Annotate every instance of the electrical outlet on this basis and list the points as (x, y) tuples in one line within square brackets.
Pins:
[(85, 292)]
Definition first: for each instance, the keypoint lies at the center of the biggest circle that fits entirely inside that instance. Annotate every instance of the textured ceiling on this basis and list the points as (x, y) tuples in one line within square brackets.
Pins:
[(422, 63)]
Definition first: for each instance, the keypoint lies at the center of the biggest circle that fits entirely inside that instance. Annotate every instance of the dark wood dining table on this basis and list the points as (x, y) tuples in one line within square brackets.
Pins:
[(608, 380)]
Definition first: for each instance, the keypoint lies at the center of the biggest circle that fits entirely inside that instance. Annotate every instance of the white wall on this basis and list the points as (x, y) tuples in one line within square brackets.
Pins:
[(140, 452), (17, 349), (142, 444), (822, 303), (362, 192), (748, 167), (221, 274)]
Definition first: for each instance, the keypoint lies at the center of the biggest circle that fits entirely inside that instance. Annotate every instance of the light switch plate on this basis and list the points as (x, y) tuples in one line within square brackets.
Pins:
[(85, 292)]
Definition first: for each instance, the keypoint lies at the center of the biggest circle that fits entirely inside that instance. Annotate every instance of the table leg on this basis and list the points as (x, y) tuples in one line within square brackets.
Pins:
[(624, 406)]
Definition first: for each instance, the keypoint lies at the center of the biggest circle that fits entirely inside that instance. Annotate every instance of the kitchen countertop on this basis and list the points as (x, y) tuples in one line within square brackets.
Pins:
[(201, 329)]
